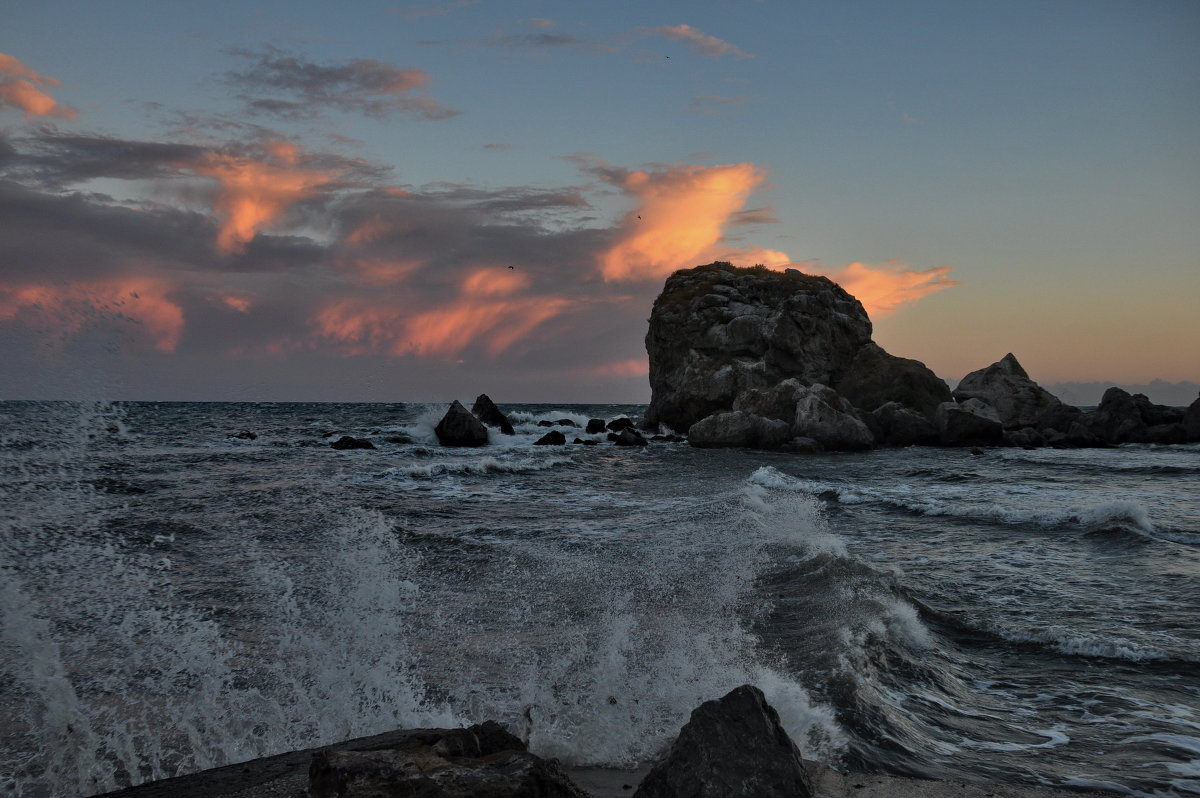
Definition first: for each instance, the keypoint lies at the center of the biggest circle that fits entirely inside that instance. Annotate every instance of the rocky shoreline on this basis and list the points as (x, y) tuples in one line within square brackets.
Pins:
[(732, 747)]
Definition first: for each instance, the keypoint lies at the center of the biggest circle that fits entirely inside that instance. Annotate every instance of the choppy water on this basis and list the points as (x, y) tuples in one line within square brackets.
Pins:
[(175, 598)]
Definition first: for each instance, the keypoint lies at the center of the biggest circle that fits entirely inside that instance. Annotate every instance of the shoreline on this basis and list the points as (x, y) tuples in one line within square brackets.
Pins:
[(286, 776)]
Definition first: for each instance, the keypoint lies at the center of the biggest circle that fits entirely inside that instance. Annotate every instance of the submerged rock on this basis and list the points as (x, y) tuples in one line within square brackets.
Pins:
[(486, 411), (484, 759), (734, 747), (459, 428), (347, 442)]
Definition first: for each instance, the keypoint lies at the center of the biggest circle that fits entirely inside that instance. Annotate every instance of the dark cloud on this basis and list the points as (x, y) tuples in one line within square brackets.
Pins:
[(292, 87), (754, 216)]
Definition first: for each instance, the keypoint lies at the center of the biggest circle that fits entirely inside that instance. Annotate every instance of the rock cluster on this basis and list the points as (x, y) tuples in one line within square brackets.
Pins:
[(784, 360)]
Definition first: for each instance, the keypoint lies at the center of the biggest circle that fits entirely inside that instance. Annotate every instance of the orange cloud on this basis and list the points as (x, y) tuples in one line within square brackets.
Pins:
[(241, 304), (883, 289), (256, 192), (700, 42), (68, 308), (19, 89), (485, 312), (380, 271), (634, 367), (681, 215)]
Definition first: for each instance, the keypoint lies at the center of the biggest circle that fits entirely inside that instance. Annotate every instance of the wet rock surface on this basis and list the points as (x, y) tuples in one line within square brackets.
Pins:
[(460, 428)]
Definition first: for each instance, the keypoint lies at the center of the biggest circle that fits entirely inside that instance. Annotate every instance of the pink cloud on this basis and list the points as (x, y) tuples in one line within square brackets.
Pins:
[(700, 42), (19, 88)]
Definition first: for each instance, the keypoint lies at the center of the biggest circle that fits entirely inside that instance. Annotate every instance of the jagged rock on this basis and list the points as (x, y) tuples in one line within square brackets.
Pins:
[(1191, 421), (893, 424), (739, 428), (347, 442), (734, 747), (441, 763), (1018, 401), (551, 438), (876, 378), (618, 424), (459, 428), (829, 419), (629, 437), (717, 330), (969, 423), (486, 411), (595, 425)]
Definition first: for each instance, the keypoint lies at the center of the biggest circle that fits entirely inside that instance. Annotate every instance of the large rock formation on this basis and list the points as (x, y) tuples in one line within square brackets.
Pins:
[(486, 411), (1125, 418), (761, 358), (459, 428), (1019, 402), (733, 747)]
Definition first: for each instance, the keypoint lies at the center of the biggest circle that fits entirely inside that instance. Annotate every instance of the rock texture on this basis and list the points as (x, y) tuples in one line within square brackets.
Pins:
[(875, 378), (1019, 402), (969, 423), (486, 411), (733, 747), (441, 763), (717, 331), (1132, 418), (459, 428)]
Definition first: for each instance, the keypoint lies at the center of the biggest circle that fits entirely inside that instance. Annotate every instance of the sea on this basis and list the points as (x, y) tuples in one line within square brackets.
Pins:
[(178, 595)]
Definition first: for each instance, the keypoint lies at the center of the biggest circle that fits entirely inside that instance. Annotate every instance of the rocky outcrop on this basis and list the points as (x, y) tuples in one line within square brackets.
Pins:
[(875, 378), (484, 759), (969, 423), (733, 747), (486, 411), (717, 331), (1132, 418), (1019, 402), (459, 428)]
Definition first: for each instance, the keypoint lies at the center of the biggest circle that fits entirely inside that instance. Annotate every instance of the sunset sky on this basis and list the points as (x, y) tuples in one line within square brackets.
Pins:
[(394, 202)]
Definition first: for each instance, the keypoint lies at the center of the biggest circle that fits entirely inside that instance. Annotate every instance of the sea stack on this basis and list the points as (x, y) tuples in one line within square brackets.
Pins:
[(764, 359)]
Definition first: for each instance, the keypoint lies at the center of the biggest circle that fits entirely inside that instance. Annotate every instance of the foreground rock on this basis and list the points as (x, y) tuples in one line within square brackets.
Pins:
[(441, 763), (733, 747), (486, 411), (459, 428)]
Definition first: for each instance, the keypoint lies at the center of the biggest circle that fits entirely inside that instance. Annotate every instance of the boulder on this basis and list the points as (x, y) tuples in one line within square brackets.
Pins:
[(618, 424), (829, 419), (1125, 418), (346, 442), (459, 428), (739, 428), (969, 423), (1191, 421), (893, 424), (566, 422), (718, 330), (734, 747), (629, 437), (876, 378), (551, 438), (595, 425), (486, 411), (441, 763), (1018, 401)]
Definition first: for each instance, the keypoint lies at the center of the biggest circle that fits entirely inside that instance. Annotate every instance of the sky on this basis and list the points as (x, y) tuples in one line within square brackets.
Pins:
[(417, 202)]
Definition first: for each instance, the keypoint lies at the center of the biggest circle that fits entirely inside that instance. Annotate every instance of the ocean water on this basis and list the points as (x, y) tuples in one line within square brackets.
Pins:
[(174, 598)]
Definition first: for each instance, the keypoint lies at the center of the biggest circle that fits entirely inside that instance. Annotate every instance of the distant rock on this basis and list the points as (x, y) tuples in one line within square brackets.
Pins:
[(484, 759), (347, 442), (1019, 402), (1125, 418), (552, 438), (875, 378), (734, 747), (486, 411), (595, 426), (969, 423), (459, 428)]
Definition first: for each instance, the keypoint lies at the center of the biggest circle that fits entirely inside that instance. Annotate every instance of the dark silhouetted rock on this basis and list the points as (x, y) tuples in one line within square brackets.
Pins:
[(717, 330), (969, 423), (459, 428), (245, 435), (876, 378), (486, 411), (1125, 418), (483, 760), (1019, 402), (893, 424), (551, 438), (618, 424), (595, 426), (1191, 421), (629, 437), (346, 442), (733, 747), (566, 422)]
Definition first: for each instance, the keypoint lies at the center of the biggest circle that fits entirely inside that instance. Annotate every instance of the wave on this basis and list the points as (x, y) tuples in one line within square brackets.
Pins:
[(478, 467)]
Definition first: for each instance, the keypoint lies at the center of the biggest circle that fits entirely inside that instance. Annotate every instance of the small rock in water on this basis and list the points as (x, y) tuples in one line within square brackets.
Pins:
[(459, 428), (629, 437), (346, 442), (566, 422), (551, 438), (545, 423), (595, 425), (245, 435), (618, 424), (486, 411)]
